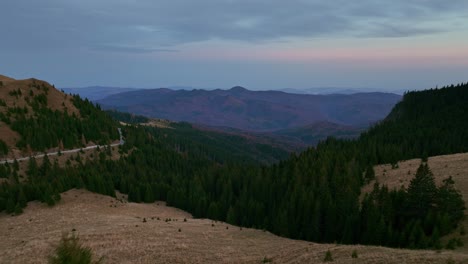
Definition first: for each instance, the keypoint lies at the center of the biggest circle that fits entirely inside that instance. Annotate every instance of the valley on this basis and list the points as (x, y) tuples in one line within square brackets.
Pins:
[(254, 192)]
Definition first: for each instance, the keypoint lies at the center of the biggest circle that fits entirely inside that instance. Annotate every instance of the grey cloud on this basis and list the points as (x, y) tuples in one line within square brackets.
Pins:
[(154, 26), (129, 49), (389, 30)]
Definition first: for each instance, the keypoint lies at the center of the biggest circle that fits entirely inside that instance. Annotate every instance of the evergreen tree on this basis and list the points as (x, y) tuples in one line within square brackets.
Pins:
[(450, 201), (422, 193), (370, 174)]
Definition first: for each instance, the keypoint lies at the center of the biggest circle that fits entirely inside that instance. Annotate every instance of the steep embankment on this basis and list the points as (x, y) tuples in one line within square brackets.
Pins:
[(124, 232)]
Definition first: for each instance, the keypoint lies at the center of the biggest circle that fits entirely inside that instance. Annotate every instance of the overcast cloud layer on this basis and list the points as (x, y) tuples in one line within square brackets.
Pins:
[(61, 29)]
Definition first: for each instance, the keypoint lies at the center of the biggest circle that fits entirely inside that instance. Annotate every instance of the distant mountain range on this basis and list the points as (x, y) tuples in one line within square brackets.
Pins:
[(94, 93), (254, 110), (327, 90), (100, 92), (340, 90)]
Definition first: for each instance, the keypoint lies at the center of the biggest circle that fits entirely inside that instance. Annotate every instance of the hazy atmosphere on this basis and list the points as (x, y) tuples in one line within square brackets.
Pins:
[(258, 44)]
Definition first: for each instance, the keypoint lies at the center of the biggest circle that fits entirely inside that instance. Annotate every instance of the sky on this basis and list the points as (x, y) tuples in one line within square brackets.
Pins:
[(258, 44)]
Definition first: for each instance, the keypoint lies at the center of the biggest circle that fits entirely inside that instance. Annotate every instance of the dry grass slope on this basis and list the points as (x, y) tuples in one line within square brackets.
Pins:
[(139, 233)]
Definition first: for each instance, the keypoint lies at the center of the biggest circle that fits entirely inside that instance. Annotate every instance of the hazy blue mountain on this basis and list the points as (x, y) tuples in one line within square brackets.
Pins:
[(254, 110), (342, 90), (94, 93)]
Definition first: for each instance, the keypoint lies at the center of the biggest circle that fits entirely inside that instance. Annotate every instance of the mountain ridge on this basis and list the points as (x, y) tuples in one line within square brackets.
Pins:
[(253, 110)]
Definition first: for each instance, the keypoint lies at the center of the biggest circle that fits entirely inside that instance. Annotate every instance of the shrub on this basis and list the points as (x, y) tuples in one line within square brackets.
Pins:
[(354, 254), (451, 244), (70, 251), (328, 256)]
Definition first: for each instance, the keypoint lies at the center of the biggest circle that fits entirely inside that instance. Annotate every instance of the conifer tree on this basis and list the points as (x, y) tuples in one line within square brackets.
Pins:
[(450, 201), (422, 192)]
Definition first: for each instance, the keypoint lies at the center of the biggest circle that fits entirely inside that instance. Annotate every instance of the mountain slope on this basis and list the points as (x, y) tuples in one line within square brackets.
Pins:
[(218, 146), (424, 123), (254, 110), (123, 232), (34, 116)]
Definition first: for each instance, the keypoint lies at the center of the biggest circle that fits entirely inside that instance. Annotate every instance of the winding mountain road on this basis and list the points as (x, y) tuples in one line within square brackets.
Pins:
[(121, 142)]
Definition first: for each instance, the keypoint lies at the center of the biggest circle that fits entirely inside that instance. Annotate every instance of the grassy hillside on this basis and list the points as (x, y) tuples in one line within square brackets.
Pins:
[(34, 116), (123, 232)]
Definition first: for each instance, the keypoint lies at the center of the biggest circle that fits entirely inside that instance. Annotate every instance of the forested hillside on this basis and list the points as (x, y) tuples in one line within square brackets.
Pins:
[(34, 116), (426, 123), (216, 146), (312, 196)]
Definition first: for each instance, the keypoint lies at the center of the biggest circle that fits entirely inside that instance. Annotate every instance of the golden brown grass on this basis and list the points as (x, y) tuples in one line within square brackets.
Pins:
[(117, 231), (5, 79)]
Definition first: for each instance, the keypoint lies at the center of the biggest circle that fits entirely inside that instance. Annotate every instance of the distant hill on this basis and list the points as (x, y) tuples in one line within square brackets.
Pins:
[(328, 90), (254, 110), (35, 117), (341, 90), (94, 93)]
